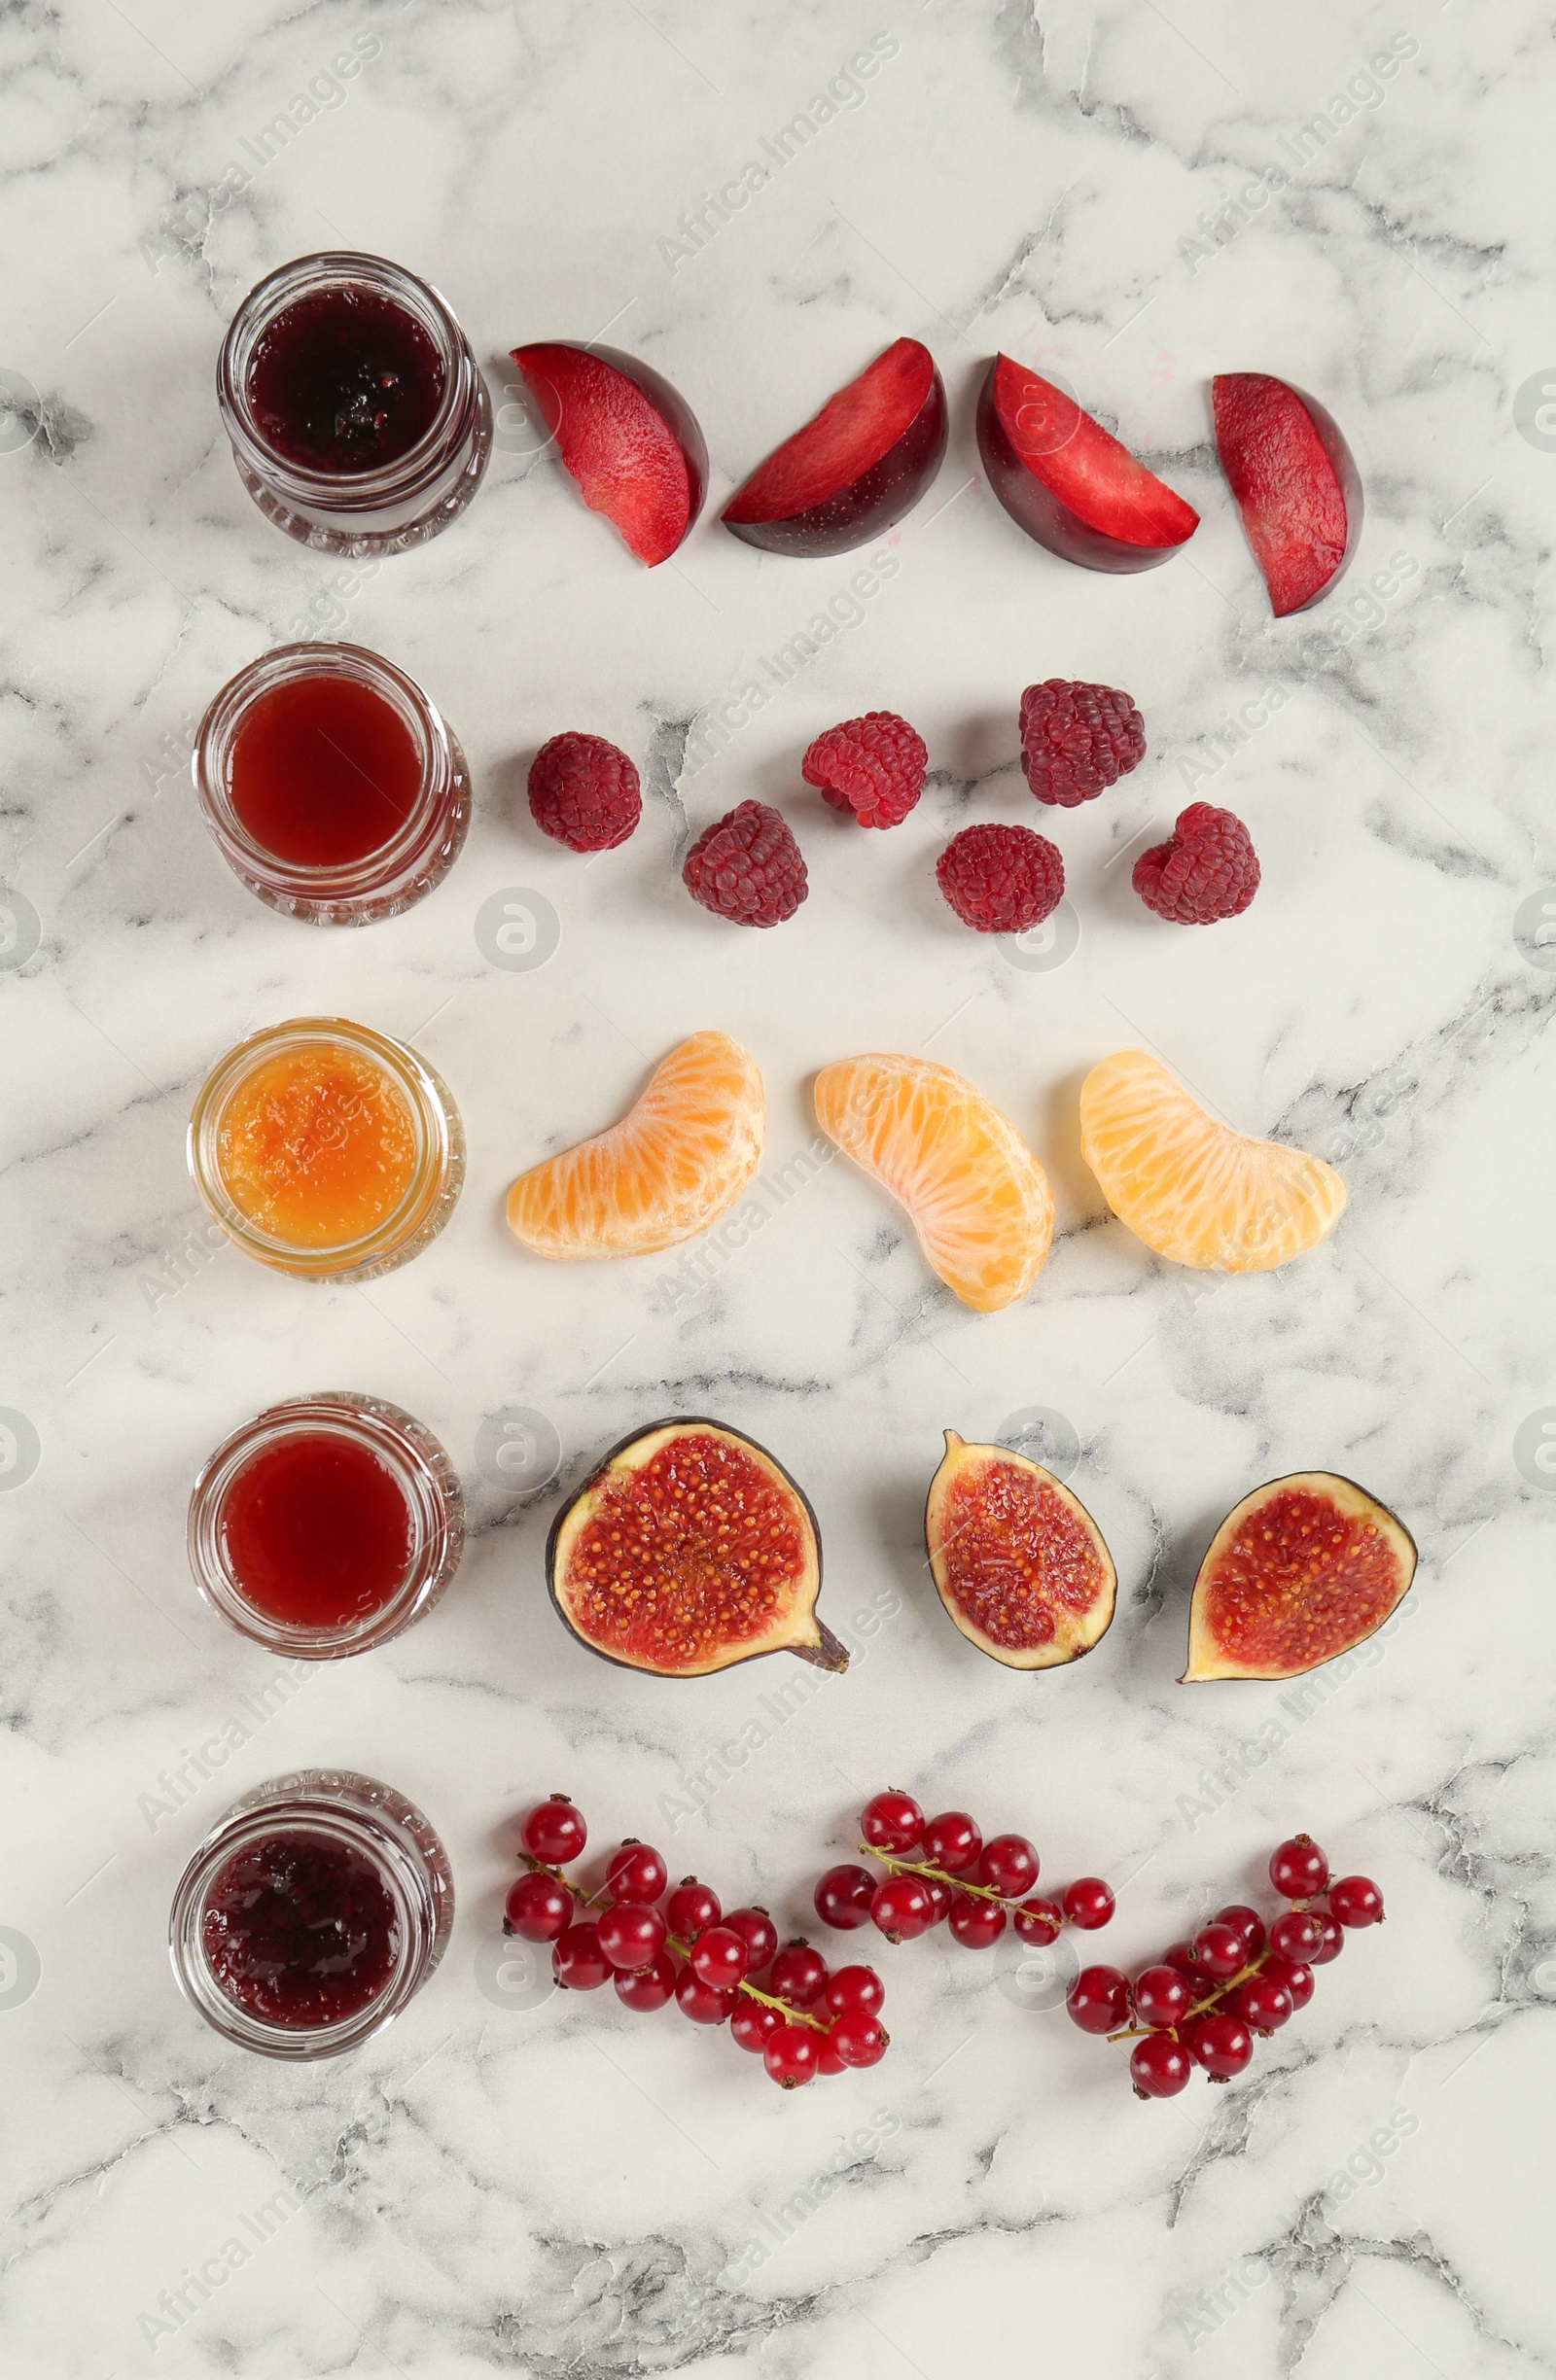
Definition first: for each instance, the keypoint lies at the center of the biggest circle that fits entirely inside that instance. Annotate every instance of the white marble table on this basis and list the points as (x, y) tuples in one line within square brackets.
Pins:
[(508, 2180)]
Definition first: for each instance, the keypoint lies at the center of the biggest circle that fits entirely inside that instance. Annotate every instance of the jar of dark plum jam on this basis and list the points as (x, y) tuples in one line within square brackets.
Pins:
[(334, 788), (326, 1525), (358, 417), (311, 1915)]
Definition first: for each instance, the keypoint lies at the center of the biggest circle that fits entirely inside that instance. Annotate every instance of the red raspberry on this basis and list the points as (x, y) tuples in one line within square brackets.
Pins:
[(1209, 868), (1001, 879), (1076, 739), (874, 766), (747, 866), (583, 792)]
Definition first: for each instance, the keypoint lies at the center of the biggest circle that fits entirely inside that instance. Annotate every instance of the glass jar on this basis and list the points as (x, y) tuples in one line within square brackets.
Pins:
[(296, 1536), (355, 1838), (327, 1150), (394, 502)]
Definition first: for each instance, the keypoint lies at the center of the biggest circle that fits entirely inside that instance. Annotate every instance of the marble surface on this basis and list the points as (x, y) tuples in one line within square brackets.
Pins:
[(510, 2181)]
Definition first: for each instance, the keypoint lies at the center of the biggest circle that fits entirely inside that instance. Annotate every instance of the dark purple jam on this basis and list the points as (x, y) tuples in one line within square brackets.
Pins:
[(299, 1930), (344, 382)]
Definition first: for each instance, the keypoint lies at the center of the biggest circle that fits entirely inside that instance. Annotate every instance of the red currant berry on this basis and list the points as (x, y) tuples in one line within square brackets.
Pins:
[(1296, 1936), (1179, 1955), (1334, 1939), (1038, 1921), (1160, 2067), (578, 1962), (1298, 1869), (858, 2038), (1356, 1901), (1222, 2044), (630, 1934), (719, 1958), (753, 2024), (1088, 1903), (1296, 1977), (555, 1832), (757, 1931), (793, 2055), (700, 2001), (952, 1841), (635, 1872), (1162, 1996), (799, 1976), (902, 1907), (975, 1923), (1218, 1950), (692, 1906), (1246, 1924), (842, 1897), (939, 1893), (1262, 2004), (1009, 1863), (538, 1907), (649, 1987), (1098, 1999), (853, 1987), (828, 2062), (891, 1820)]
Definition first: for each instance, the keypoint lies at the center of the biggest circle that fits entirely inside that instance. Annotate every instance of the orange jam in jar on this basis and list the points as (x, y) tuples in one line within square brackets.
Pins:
[(327, 1149)]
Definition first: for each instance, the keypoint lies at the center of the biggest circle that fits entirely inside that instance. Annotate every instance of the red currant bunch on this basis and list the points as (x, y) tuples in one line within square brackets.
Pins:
[(941, 1871)]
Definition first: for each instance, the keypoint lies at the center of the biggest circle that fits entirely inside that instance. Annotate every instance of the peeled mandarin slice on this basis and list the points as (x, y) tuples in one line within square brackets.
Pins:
[(671, 1167), (1194, 1190), (978, 1198)]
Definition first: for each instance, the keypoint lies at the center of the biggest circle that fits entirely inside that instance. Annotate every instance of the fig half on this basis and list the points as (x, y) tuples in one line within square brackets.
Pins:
[(1302, 1570), (1020, 1563), (690, 1549)]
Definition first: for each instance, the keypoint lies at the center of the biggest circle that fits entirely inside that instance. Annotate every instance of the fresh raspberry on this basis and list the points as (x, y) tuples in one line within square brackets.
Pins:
[(1207, 870), (1001, 879), (583, 792), (747, 866), (874, 766), (1076, 739)]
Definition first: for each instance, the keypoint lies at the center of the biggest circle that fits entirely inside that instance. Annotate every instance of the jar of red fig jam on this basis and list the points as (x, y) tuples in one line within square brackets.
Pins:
[(333, 786), (311, 1915), (358, 417), (326, 1525)]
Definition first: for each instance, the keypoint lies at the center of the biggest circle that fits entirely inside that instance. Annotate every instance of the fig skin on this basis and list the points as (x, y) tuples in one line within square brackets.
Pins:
[(958, 1450), (1207, 1664), (822, 1648)]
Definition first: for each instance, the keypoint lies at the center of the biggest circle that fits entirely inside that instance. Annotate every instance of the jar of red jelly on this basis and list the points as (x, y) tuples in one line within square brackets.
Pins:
[(311, 1915), (332, 784), (358, 417), (326, 1525)]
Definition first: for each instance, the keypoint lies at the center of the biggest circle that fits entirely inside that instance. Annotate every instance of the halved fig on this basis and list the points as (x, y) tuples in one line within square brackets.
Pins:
[(1068, 482), (1296, 481), (864, 461), (690, 1549), (1020, 1563), (629, 440), (1302, 1570)]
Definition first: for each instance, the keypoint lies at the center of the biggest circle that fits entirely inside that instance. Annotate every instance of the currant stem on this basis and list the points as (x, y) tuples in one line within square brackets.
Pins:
[(923, 1867), (1139, 2032)]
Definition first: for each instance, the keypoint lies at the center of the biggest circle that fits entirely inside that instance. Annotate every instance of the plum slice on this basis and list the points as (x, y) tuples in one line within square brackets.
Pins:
[(864, 461), (629, 440), (1299, 1572), (1068, 482), (1296, 481), (1019, 1562)]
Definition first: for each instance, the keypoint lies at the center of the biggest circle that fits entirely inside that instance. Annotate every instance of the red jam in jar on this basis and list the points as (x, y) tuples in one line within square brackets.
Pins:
[(322, 771), (316, 1531), (299, 1929), (344, 380)]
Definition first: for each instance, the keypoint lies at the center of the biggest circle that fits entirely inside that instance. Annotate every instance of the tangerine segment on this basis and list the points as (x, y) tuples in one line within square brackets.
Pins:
[(1194, 1190), (1299, 1572), (1019, 1562), (316, 1147), (978, 1198), (672, 1165)]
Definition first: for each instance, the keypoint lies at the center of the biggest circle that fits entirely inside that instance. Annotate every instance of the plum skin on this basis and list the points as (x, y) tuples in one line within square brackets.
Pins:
[(1046, 519), (876, 500)]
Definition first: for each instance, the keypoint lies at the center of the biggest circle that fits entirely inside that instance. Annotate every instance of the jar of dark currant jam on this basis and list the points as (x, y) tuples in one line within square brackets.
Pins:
[(358, 417), (326, 1525), (332, 784), (311, 1915)]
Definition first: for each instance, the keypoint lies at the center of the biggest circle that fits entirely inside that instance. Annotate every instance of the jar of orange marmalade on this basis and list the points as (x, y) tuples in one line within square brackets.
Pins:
[(327, 1149)]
